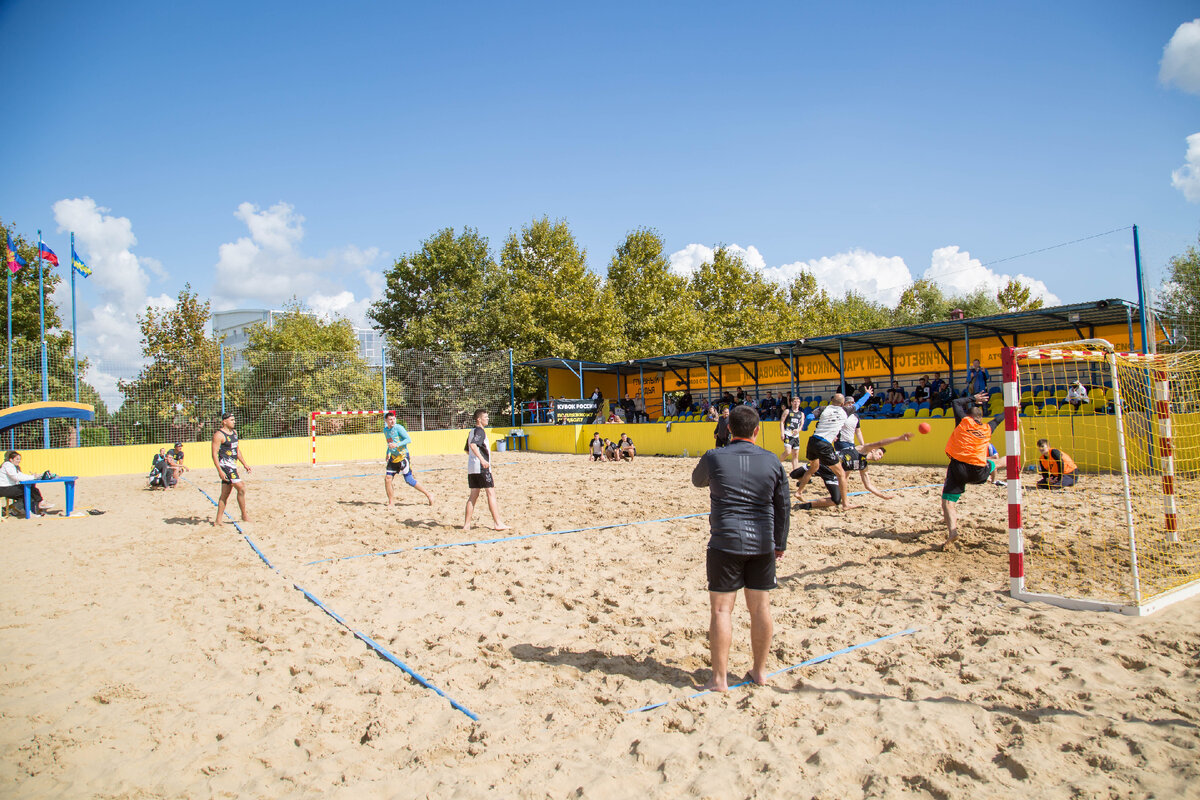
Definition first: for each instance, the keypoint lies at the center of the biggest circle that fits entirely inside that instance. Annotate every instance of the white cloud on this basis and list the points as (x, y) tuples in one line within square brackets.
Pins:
[(878, 278), (686, 261), (1187, 178), (268, 267), (108, 330), (1180, 63), (957, 273), (882, 279)]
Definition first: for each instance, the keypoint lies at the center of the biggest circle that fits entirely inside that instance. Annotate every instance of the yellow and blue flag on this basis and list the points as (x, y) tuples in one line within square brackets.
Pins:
[(78, 265), (15, 262)]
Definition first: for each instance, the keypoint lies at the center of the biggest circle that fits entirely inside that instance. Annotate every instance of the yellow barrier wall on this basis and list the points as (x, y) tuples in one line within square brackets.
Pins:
[(1094, 452), (134, 459)]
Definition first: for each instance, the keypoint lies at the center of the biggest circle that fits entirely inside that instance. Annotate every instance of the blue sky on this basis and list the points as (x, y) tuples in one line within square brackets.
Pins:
[(265, 150)]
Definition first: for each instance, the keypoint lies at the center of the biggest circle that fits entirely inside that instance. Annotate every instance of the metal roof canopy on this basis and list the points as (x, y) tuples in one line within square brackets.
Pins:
[(1080, 316)]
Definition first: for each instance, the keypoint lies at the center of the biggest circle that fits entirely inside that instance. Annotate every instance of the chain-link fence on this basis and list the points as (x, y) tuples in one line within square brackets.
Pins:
[(181, 399)]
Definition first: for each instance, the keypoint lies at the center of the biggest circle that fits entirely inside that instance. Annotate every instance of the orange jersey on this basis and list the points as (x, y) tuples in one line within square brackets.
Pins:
[(969, 442), (1050, 465)]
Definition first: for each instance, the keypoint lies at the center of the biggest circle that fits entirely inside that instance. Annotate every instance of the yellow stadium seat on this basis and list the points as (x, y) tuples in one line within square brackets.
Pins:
[(1033, 411), (938, 412), (909, 413), (923, 412), (1061, 394), (1040, 397), (1026, 396)]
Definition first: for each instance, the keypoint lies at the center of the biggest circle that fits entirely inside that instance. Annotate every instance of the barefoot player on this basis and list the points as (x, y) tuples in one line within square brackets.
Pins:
[(398, 462), (225, 456), (968, 451)]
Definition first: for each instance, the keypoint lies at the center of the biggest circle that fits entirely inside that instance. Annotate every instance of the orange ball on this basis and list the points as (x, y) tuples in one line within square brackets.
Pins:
[(924, 427)]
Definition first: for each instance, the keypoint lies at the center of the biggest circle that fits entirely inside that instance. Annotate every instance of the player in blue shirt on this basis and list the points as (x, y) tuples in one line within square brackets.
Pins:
[(398, 441)]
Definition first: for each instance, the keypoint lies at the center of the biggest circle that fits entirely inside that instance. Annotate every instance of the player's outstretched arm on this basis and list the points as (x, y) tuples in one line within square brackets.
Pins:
[(866, 448), (870, 487)]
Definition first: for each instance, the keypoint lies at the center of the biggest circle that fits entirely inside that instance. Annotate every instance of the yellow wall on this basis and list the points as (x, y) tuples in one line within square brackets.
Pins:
[(134, 459), (1092, 446)]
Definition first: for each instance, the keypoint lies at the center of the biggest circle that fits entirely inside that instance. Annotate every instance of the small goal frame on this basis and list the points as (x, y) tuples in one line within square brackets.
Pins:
[(1063, 351), (312, 424)]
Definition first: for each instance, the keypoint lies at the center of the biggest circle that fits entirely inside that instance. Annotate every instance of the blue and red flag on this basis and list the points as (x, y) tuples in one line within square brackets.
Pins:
[(48, 254), (15, 262)]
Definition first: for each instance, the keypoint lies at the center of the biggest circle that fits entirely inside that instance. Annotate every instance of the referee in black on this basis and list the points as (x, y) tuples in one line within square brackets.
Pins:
[(748, 527)]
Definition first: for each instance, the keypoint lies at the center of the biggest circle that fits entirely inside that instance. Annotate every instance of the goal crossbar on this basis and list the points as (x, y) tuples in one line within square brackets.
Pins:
[(312, 424)]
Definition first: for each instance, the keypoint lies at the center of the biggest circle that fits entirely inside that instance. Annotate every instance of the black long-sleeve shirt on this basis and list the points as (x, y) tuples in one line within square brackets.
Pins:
[(750, 497)]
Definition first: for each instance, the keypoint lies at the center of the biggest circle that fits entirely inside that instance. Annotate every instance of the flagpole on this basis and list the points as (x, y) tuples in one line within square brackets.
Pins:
[(74, 336), (42, 320), (12, 442)]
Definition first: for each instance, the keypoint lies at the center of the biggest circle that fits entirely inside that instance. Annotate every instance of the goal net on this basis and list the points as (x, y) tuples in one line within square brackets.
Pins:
[(1107, 514), (342, 423)]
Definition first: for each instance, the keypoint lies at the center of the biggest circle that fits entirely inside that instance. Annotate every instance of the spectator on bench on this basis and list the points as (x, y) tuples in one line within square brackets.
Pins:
[(10, 484), (896, 394)]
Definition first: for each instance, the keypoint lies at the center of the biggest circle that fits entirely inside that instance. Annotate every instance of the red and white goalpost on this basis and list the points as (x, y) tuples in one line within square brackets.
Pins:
[(1126, 537), (312, 424)]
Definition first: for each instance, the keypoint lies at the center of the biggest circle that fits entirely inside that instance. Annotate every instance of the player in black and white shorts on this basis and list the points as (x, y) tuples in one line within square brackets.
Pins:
[(226, 455)]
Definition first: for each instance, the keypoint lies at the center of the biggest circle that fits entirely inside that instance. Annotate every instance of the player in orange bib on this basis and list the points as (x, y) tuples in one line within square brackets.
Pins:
[(1056, 468), (968, 451)]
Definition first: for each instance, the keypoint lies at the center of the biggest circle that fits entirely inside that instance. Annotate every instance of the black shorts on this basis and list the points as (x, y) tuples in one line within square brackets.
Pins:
[(231, 475), (832, 485), (728, 572), (820, 449), (960, 475), (480, 480), (791, 442)]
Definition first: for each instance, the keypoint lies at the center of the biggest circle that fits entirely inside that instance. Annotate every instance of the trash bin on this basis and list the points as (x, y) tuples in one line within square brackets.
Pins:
[(501, 445)]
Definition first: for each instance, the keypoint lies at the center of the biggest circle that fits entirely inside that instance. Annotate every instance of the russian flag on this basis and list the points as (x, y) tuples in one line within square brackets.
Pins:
[(48, 254), (15, 262)]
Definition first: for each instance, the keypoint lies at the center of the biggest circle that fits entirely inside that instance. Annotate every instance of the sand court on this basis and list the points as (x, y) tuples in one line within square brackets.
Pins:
[(148, 653)]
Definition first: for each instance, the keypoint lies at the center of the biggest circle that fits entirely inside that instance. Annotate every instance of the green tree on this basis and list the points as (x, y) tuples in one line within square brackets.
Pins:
[(553, 304), (737, 304), (854, 313), (923, 301), (443, 296), (1016, 296), (1179, 299), (656, 310), (177, 395), (300, 364)]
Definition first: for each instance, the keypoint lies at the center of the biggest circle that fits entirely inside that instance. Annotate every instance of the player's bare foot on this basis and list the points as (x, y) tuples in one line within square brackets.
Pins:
[(714, 685), (951, 538), (502, 527), (246, 519), (429, 497), (758, 678)]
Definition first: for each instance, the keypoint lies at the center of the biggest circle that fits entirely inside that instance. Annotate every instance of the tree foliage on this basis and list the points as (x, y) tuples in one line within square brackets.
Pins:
[(442, 297), (179, 389), (655, 310), (1016, 296), (1179, 299)]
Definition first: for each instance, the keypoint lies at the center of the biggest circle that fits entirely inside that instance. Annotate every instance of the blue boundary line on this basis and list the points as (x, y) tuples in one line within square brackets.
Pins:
[(807, 663), (380, 474), (383, 651), (371, 643)]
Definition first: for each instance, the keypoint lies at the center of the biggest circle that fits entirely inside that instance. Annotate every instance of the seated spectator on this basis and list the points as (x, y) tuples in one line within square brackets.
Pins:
[(766, 408), (613, 417), (713, 415), (920, 392), (669, 408), (1077, 395), (684, 404), (597, 447), (627, 408), (939, 394), (156, 468), (740, 397), (896, 394), (10, 485), (625, 445), (174, 466), (1055, 467), (727, 399), (868, 387)]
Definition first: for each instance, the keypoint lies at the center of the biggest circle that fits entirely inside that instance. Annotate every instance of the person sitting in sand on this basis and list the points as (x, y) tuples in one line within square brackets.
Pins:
[(625, 445), (1056, 468)]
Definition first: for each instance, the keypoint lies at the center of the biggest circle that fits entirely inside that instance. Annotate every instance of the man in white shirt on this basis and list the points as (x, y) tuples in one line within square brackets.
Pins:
[(820, 450), (10, 484)]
